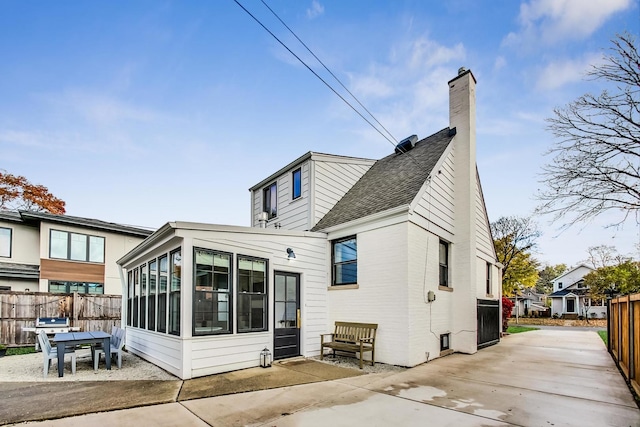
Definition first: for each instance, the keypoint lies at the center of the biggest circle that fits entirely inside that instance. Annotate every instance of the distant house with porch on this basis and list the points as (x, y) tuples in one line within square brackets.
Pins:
[(570, 297), (403, 242)]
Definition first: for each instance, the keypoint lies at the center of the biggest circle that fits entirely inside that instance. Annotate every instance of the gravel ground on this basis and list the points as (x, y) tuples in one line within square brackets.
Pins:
[(29, 368), (353, 363)]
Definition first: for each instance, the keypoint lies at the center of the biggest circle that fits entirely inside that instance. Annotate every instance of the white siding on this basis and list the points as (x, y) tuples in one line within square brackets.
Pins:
[(571, 277), (292, 214), (437, 202), (484, 242), (332, 181), (382, 293), (160, 349), (206, 355)]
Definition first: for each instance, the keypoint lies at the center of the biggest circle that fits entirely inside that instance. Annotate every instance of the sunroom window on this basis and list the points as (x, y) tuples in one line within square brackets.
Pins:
[(252, 294), (212, 298)]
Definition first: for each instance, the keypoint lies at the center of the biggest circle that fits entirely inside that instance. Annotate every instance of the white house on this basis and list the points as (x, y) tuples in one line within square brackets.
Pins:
[(570, 297), (403, 242), (43, 252)]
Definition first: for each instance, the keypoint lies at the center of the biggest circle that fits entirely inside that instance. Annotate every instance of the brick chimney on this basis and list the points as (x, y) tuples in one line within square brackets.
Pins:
[(462, 116)]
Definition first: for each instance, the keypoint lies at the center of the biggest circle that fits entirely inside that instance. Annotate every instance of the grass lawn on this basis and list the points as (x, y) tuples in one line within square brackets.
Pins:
[(517, 329), (603, 335)]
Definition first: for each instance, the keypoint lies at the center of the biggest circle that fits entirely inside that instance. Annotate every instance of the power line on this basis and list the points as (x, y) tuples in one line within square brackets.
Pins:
[(329, 71), (316, 74)]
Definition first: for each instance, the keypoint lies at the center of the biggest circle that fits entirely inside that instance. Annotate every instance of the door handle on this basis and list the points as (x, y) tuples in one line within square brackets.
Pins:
[(298, 317)]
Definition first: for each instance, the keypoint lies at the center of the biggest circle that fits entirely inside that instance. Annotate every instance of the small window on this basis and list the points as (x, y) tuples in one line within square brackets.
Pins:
[(345, 261), (270, 200), (5, 242), (488, 279), (445, 342), (252, 294), (444, 263), (212, 292), (297, 183), (559, 285)]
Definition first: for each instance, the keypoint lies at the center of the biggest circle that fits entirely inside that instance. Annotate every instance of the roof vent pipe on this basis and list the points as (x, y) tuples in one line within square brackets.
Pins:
[(406, 144), (262, 219)]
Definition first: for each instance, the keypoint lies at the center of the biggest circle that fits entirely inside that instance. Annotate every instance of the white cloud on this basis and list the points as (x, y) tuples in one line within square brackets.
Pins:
[(315, 10), (552, 21), (408, 91), (499, 63), (560, 73)]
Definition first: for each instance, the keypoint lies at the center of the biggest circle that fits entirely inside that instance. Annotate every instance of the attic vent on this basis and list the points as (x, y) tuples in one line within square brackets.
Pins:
[(406, 144)]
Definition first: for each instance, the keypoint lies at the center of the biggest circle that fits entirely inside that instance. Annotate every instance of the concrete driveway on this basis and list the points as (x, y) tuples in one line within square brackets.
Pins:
[(539, 378)]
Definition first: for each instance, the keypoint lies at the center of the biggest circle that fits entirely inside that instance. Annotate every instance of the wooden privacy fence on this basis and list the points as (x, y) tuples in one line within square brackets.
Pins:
[(20, 310), (624, 336)]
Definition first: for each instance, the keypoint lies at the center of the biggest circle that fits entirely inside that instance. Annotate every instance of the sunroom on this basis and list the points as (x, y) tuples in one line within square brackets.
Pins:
[(201, 299)]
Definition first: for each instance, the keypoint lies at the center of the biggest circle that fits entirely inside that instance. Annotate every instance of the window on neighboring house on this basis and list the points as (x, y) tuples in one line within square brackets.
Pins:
[(345, 261), (58, 286), (76, 246), (174, 293), (252, 294), (5, 242), (270, 200), (297, 183), (212, 292), (488, 279), (559, 285), (162, 293), (445, 343), (444, 263)]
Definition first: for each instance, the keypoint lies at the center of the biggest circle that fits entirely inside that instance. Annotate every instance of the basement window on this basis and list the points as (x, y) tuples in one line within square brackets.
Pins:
[(445, 342)]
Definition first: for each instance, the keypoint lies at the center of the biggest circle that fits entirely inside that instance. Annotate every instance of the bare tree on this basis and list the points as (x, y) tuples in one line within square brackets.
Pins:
[(595, 165), (603, 256)]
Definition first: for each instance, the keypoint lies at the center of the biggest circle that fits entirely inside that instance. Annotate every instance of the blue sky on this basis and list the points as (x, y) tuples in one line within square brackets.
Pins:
[(143, 112)]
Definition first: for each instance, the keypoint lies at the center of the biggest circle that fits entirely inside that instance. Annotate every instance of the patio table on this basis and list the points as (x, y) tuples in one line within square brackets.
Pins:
[(72, 339)]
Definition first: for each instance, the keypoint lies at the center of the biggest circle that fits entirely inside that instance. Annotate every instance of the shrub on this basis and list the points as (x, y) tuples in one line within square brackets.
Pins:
[(507, 306)]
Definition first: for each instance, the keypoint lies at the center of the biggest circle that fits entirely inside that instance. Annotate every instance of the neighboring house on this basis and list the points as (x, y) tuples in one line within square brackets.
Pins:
[(570, 297), (403, 242), (61, 253), (529, 303)]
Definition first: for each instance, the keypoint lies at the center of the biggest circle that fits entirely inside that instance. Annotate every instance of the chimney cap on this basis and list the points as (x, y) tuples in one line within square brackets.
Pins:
[(461, 70)]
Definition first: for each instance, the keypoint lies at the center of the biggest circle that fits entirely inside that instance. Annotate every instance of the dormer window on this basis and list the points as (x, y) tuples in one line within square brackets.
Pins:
[(296, 179), (270, 200)]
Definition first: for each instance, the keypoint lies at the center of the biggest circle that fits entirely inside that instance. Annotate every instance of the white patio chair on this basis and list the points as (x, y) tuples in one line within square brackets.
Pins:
[(117, 343), (49, 353)]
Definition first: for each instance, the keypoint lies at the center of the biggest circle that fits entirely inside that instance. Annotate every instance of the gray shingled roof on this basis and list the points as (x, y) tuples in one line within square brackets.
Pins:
[(95, 224), (391, 182)]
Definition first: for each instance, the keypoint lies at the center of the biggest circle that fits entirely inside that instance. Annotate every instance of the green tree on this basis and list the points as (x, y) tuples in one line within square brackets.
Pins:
[(544, 285), (514, 240), (623, 278), (522, 273)]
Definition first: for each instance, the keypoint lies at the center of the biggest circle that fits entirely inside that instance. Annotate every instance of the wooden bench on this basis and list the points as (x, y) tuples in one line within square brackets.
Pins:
[(351, 338)]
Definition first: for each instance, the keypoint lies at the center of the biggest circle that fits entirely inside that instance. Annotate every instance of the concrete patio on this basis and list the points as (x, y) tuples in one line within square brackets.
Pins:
[(539, 378)]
